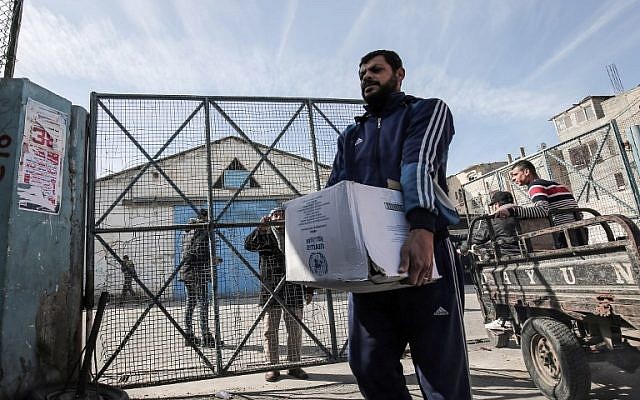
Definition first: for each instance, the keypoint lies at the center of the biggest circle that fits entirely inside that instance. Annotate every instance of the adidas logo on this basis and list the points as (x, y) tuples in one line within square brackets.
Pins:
[(358, 141), (441, 311)]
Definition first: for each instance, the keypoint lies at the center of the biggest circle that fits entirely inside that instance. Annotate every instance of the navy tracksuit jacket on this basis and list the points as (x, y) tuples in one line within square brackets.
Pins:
[(407, 144)]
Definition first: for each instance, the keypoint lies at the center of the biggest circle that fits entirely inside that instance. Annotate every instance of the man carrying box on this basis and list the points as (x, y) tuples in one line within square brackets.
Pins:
[(402, 142)]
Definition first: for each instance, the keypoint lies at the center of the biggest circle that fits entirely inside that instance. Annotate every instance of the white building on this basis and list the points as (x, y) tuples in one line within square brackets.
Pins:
[(153, 202), (589, 159), (469, 174), (594, 111), (597, 155)]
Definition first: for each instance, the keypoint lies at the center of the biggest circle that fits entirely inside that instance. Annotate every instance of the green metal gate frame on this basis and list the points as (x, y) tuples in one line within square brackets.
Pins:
[(334, 352)]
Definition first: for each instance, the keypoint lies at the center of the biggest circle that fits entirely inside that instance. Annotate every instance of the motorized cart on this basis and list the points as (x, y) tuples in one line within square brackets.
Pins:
[(562, 304)]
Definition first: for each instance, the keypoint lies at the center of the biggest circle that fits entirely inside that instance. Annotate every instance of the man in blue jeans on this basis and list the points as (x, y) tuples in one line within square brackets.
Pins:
[(196, 275), (402, 142)]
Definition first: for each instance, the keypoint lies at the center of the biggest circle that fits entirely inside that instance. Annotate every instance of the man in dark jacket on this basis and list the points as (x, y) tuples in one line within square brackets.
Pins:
[(268, 241), (129, 270), (504, 229), (402, 142), (196, 275)]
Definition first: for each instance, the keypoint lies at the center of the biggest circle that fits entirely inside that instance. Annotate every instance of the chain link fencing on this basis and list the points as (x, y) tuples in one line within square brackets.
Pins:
[(160, 164), (598, 167)]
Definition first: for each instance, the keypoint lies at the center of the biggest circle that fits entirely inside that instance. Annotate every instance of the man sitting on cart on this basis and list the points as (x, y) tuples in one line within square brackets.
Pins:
[(546, 195), (505, 229)]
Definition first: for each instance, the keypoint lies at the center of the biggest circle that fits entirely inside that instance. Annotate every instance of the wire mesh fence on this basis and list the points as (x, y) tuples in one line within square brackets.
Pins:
[(597, 167), (169, 167), (629, 117)]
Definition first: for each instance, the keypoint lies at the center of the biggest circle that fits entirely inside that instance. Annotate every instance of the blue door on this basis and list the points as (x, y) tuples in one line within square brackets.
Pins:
[(234, 278)]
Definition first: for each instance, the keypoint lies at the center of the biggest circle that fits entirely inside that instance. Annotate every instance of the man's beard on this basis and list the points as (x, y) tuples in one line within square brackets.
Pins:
[(377, 99)]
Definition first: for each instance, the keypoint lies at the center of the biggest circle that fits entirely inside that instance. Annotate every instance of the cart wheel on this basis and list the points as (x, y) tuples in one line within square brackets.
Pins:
[(499, 340), (556, 362), (67, 392)]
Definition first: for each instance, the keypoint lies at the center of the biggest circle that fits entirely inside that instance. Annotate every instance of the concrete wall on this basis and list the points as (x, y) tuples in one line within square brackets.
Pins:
[(619, 104), (41, 254)]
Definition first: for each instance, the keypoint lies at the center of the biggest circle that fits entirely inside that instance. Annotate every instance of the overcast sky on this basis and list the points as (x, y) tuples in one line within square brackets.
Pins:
[(504, 67)]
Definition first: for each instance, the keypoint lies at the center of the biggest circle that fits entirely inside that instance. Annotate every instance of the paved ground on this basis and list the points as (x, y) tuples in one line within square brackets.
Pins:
[(496, 374)]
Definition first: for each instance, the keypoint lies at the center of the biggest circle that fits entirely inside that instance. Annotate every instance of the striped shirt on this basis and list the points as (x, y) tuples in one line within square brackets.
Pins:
[(548, 195)]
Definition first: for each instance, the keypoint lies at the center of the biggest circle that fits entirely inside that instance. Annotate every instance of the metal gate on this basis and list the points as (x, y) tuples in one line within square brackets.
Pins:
[(156, 161)]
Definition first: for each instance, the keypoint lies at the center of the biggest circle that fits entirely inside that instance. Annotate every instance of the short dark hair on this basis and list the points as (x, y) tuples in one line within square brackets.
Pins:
[(501, 198), (525, 164), (390, 56)]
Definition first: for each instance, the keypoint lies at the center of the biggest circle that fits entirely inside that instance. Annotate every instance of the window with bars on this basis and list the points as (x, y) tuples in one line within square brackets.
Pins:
[(567, 121), (590, 113), (620, 182), (581, 155), (612, 146)]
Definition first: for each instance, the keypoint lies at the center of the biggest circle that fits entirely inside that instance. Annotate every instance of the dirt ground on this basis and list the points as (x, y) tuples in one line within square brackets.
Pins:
[(496, 374)]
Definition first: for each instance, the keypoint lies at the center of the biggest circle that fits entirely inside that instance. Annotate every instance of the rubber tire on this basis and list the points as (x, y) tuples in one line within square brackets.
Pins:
[(573, 381), (498, 340), (60, 391)]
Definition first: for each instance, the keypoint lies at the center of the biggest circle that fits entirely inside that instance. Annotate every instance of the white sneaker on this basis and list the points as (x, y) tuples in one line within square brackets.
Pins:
[(499, 325)]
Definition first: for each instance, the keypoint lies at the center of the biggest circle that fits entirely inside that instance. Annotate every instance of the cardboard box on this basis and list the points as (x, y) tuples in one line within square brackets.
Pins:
[(346, 237)]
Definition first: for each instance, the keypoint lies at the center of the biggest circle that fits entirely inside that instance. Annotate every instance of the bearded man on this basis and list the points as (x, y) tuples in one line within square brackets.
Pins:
[(402, 142)]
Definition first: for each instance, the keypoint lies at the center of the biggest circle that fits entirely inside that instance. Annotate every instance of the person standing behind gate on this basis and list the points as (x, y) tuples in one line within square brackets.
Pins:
[(196, 275), (546, 195), (269, 243), (402, 142), (129, 270)]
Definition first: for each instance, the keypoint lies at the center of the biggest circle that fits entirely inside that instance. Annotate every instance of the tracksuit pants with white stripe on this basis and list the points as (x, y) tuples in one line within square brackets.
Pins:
[(429, 319)]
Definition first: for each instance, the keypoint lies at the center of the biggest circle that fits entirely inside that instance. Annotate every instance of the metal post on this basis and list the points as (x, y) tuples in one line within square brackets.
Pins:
[(466, 205), (91, 205), (546, 165), (12, 47), (212, 239), (627, 166), (487, 195), (316, 170), (83, 378), (634, 140), (90, 216), (314, 146)]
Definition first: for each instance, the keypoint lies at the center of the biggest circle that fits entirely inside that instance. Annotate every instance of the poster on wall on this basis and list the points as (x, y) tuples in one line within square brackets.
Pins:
[(41, 156)]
